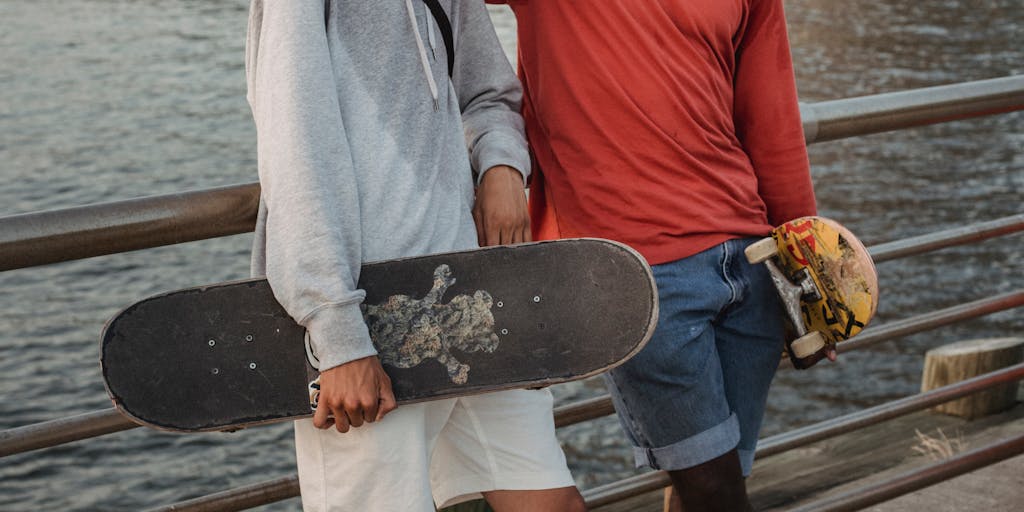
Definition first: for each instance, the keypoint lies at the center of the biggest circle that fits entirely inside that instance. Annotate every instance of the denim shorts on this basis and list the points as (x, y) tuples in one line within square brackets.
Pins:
[(698, 389)]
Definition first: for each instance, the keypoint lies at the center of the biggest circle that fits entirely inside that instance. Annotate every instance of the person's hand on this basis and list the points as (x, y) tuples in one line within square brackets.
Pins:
[(500, 211), (831, 353), (356, 392)]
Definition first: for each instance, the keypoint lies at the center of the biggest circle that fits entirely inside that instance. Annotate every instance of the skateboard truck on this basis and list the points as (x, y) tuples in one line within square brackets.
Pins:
[(792, 291), (801, 288)]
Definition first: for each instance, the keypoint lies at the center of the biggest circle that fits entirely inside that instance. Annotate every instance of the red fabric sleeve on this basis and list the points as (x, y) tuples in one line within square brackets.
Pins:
[(767, 114)]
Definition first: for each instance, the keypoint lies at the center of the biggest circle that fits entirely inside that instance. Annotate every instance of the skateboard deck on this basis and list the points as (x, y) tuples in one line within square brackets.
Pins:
[(827, 282), (227, 356)]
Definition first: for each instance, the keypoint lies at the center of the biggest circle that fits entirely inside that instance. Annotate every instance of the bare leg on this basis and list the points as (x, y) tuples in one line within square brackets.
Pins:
[(716, 485), (565, 499)]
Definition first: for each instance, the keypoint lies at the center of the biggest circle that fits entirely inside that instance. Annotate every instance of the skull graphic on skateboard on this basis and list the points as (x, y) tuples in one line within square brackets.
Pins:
[(827, 282)]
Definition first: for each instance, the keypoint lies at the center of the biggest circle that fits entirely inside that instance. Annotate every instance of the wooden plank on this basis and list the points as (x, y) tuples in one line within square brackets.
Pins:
[(871, 455), (994, 488)]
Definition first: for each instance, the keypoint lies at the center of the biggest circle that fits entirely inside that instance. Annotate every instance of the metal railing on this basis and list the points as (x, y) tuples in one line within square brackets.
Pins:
[(920, 478), (93, 424), (32, 239), (41, 238), (830, 120), (640, 484), (287, 487)]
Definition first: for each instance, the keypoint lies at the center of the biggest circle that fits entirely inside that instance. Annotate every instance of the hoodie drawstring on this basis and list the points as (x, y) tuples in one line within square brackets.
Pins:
[(430, 37), (423, 52)]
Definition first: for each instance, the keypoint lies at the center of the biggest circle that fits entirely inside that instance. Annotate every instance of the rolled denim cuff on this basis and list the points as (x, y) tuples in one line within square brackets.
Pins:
[(692, 451)]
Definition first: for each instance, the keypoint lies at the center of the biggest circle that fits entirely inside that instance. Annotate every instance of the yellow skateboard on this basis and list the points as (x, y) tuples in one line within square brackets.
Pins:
[(827, 282)]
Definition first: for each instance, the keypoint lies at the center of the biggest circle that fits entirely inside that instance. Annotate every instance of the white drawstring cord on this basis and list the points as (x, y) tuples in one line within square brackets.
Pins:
[(430, 37), (423, 54)]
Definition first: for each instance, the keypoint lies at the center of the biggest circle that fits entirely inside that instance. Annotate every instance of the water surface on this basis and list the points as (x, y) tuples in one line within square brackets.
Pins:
[(105, 100)]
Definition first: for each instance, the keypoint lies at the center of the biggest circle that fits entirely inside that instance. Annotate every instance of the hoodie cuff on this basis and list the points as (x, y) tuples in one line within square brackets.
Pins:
[(501, 149), (338, 334)]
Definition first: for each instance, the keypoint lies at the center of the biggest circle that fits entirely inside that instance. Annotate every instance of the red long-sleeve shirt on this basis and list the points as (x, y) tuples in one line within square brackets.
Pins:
[(669, 125)]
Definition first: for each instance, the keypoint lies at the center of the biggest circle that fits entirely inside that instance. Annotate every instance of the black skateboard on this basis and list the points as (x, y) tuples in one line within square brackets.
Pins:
[(227, 356)]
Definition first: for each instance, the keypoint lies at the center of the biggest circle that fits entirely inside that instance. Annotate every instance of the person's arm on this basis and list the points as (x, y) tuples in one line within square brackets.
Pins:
[(489, 96), (313, 247), (767, 115)]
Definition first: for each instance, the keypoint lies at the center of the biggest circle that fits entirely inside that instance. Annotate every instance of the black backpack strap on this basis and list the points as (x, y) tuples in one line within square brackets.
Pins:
[(445, 25)]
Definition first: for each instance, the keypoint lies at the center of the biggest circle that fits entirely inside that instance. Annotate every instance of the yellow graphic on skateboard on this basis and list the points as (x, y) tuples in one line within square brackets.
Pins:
[(826, 280)]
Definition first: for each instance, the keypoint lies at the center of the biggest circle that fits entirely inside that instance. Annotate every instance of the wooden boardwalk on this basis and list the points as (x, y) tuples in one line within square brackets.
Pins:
[(996, 488), (877, 454)]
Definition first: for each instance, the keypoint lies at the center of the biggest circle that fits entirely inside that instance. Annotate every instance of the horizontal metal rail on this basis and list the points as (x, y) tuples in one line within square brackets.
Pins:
[(850, 117), (242, 498), (932, 320), (872, 416), (94, 424), (22, 439), (108, 421), (646, 482), (951, 237), (584, 410), (602, 405), (920, 478), (62, 431), (42, 238)]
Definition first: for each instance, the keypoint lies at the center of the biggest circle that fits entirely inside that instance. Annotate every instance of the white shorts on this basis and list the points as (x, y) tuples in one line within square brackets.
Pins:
[(433, 453)]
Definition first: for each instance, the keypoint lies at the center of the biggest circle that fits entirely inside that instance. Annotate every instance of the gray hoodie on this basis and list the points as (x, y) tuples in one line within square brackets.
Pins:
[(362, 146)]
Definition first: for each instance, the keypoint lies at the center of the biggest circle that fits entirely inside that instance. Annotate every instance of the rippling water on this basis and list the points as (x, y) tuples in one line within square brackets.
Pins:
[(103, 100)]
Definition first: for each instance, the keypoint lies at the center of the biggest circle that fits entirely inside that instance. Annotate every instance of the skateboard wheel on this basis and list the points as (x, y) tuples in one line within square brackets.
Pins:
[(808, 344), (761, 251)]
